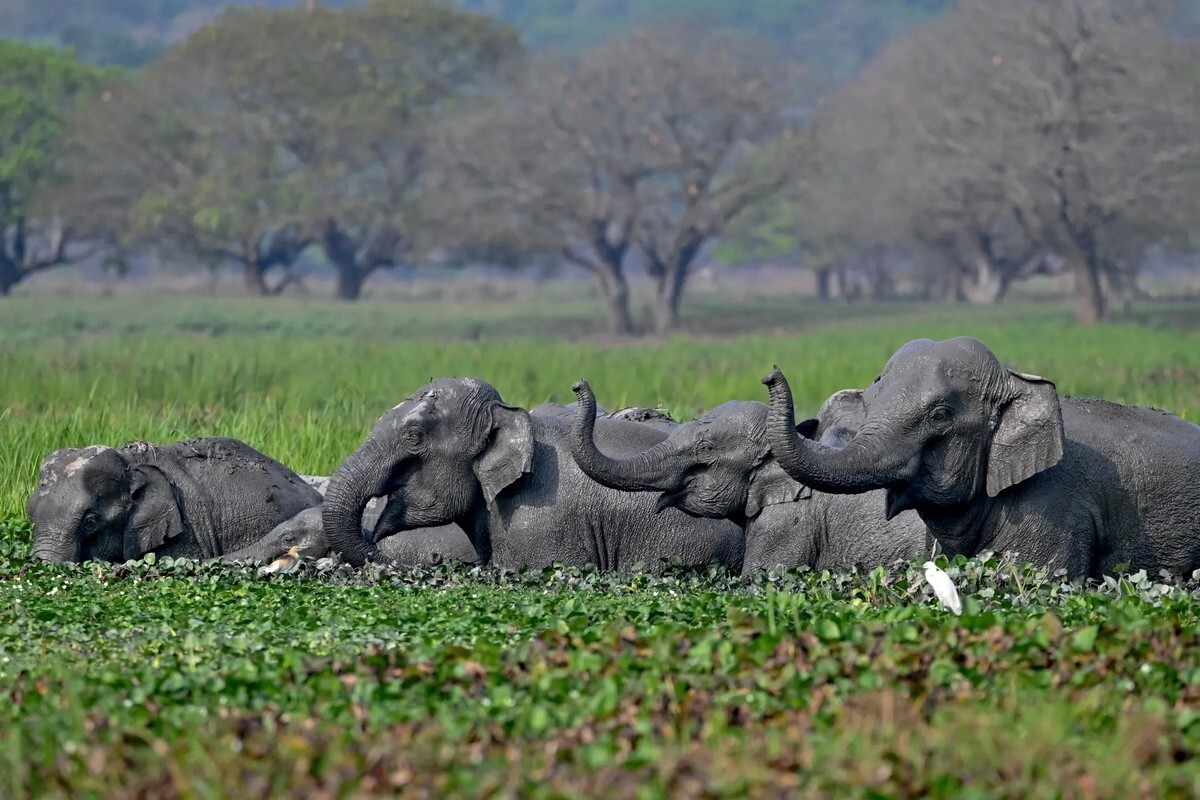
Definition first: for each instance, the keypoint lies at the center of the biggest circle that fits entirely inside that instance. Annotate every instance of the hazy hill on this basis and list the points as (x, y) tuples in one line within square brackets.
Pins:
[(834, 36)]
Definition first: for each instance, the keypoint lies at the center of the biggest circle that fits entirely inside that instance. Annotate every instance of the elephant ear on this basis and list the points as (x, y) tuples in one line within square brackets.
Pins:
[(1028, 436), (771, 486), (509, 454), (844, 409), (156, 516)]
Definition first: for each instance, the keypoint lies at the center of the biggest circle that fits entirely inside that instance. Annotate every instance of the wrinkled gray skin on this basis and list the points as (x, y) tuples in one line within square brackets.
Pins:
[(993, 460), (454, 452), (720, 467), (197, 498), (408, 548)]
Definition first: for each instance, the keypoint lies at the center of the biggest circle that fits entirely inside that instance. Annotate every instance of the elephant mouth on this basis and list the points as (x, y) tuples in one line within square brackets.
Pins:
[(391, 519), (672, 499), (899, 499)]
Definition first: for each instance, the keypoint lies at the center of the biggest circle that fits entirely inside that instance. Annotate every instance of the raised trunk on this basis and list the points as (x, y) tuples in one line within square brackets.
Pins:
[(654, 469), (362, 476), (852, 469)]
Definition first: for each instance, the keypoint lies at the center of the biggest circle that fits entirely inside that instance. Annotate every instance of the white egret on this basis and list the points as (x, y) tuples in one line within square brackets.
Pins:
[(943, 587)]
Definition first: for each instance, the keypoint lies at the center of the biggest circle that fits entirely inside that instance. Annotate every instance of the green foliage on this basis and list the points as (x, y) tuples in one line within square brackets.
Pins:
[(270, 117), (167, 677), (38, 87)]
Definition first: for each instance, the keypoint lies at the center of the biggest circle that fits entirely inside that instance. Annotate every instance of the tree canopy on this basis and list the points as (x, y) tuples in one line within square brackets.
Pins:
[(41, 84)]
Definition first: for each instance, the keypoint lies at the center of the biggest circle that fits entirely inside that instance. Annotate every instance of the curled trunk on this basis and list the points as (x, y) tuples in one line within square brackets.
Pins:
[(652, 470), (851, 469), (362, 476)]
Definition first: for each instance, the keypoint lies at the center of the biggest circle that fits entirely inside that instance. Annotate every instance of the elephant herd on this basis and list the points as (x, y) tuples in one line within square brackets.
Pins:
[(946, 448)]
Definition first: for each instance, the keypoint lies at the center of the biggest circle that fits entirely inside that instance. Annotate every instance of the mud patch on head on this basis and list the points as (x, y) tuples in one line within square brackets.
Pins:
[(82, 458), (137, 447), (643, 414)]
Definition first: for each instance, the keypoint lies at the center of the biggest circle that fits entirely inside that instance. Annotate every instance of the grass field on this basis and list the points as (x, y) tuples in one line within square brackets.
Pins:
[(178, 679)]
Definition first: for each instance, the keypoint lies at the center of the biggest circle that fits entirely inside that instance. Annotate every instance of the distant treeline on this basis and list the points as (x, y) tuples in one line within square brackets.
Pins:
[(956, 152), (834, 36)]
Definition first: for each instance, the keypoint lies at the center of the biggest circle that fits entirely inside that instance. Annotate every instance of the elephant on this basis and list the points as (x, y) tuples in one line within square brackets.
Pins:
[(720, 467), (419, 546), (454, 452), (197, 498), (409, 548), (993, 459), (655, 418)]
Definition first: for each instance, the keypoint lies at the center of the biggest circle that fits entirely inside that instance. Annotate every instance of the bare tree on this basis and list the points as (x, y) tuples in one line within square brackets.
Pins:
[(1025, 128), (649, 141)]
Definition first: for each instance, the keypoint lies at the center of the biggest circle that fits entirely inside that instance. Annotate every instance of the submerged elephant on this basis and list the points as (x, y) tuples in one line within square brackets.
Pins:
[(720, 467), (197, 499), (307, 531), (454, 452), (993, 460), (654, 417), (408, 548)]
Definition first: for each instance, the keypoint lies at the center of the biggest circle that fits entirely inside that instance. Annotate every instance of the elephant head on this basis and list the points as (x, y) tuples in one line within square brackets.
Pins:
[(718, 466), (943, 423), (303, 531), (435, 456), (96, 504)]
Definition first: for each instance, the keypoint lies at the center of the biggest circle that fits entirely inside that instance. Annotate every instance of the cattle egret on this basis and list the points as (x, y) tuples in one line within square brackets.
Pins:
[(290, 560), (943, 587)]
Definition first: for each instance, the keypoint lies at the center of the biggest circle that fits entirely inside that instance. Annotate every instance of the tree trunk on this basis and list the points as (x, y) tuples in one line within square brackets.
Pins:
[(616, 298), (1089, 296), (350, 280), (824, 283), (985, 284), (256, 284), (667, 296), (9, 277)]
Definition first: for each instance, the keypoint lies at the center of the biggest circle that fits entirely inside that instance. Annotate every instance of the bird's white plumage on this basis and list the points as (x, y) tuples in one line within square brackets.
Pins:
[(943, 587)]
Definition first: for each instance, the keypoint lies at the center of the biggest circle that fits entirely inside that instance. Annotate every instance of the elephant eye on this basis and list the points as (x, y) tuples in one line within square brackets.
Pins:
[(940, 415), (705, 449), (90, 520)]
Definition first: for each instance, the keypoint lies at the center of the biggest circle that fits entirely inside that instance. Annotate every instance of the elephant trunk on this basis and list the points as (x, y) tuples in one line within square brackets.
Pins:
[(852, 469), (362, 476), (255, 552), (651, 470), (59, 546)]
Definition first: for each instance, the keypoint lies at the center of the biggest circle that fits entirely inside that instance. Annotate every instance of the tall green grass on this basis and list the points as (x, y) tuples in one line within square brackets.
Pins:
[(176, 679), (308, 398)]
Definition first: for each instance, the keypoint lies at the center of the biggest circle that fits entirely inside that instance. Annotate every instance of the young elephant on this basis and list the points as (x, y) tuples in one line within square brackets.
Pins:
[(409, 548), (196, 498), (720, 467), (454, 452), (993, 460)]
